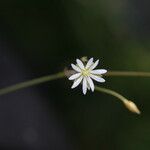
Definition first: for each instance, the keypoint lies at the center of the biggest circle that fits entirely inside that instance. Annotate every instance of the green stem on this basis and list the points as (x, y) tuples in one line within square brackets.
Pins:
[(127, 73), (32, 82), (131, 106), (110, 92), (39, 80)]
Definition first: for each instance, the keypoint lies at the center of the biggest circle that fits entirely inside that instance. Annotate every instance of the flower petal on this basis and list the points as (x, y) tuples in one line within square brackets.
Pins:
[(74, 76), (97, 78), (80, 64), (75, 68), (94, 65), (84, 86), (91, 84), (89, 63), (99, 71), (77, 82), (88, 86)]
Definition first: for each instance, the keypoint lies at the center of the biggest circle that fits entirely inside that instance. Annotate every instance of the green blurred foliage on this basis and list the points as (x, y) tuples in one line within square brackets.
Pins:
[(52, 34)]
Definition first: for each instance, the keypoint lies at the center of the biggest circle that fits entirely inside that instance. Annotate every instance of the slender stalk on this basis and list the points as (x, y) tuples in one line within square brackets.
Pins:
[(111, 92), (30, 83), (131, 106), (127, 74), (40, 80)]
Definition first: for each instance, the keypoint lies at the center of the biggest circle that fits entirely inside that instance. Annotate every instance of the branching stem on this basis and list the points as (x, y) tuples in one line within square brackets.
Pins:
[(48, 78), (32, 82)]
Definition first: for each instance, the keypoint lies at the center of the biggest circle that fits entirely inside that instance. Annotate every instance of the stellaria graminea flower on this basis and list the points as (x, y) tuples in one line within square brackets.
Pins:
[(85, 73)]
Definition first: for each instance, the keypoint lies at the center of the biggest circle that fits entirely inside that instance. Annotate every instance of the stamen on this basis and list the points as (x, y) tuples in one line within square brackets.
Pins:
[(85, 73)]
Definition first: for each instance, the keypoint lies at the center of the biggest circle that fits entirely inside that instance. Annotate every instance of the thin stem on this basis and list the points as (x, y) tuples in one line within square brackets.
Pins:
[(32, 82), (111, 92), (131, 106), (128, 73), (39, 80)]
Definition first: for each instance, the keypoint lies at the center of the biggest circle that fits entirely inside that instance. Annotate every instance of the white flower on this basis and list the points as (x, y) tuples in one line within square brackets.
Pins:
[(85, 73)]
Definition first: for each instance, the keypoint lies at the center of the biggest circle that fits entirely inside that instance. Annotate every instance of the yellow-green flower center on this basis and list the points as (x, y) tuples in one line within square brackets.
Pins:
[(85, 72)]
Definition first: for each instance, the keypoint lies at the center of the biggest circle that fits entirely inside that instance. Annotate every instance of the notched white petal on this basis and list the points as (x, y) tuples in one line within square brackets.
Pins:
[(99, 71), (74, 76), (85, 73), (75, 68), (91, 84), (80, 64), (77, 82), (89, 63), (94, 65), (88, 86), (97, 78), (84, 86)]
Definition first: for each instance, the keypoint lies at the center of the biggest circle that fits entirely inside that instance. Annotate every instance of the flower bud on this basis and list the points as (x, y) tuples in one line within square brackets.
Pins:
[(132, 106), (84, 58)]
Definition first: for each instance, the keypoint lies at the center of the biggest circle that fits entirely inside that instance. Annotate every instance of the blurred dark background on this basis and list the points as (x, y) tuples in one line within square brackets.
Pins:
[(42, 37)]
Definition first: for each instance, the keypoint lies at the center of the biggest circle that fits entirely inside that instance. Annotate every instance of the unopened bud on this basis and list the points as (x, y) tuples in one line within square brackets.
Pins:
[(132, 107), (84, 59)]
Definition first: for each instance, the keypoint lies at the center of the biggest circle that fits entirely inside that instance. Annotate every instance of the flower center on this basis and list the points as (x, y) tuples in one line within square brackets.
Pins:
[(85, 72)]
